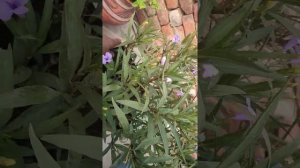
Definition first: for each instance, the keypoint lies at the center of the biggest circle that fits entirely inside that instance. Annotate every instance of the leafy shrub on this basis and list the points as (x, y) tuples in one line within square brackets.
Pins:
[(147, 103)]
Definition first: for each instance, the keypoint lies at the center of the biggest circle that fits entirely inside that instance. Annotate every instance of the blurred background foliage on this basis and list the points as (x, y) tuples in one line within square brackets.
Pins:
[(244, 40), (50, 89)]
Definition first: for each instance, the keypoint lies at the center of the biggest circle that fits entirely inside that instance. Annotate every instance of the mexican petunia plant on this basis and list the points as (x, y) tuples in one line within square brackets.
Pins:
[(248, 55), (149, 109)]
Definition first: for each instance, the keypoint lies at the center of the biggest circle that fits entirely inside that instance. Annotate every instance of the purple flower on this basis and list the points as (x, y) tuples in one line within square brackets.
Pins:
[(179, 93), (278, 165), (176, 39), (163, 60), (194, 71), (10, 7), (241, 117), (106, 58), (209, 71), (295, 61), (292, 45)]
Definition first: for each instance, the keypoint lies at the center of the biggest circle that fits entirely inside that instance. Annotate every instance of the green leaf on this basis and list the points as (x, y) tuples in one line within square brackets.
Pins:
[(243, 56), (287, 23), (227, 26), (45, 22), (252, 135), (27, 95), (133, 104), (125, 67), (21, 74), (254, 36), (151, 127), (7, 83), (111, 87), (135, 93), (92, 97), (206, 7), (121, 116), (47, 126), (52, 47), (228, 66), (177, 139), (164, 136), (165, 111), (44, 158), (37, 114), (83, 144), (72, 28), (147, 96), (266, 137), (163, 99), (223, 90), (47, 79), (147, 142), (159, 159)]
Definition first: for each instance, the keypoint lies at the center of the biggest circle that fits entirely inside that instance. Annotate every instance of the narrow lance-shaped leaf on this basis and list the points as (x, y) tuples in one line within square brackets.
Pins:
[(147, 142), (287, 23), (206, 7), (45, 21), (125, 66), (158, 159), (27, 95), (44, 158), (177, 139), (83, 144), (92, 97), (223, 90), (72, 29), (226, 26), (7, 83), (121, 116), (151, 127), (163, 135), (133, 104)]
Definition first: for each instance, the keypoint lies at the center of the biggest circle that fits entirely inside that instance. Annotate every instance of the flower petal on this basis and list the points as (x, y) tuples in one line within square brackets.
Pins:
[(278, 165), (176, 39), (291, 43), (20, 10), (209, 71), (5, 11), (295, 61), (241, 117), (163, 60), (297, 48), (21, 2)]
